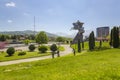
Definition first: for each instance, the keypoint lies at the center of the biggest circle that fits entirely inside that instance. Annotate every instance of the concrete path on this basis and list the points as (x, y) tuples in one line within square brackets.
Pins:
[(68, 50)]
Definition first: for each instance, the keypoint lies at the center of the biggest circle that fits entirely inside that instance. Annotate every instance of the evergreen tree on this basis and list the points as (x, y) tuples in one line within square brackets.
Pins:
[(93, 37), (118, 39), (115, 37), (91, 41), (111, 38), (90, 47), (79, 46)]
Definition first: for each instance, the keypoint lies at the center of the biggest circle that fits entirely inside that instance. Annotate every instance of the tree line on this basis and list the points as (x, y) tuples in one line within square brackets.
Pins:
[(39, 38), (114, 39)]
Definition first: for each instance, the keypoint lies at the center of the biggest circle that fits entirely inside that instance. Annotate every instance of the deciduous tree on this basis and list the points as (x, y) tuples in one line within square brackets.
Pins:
[(41, 38)]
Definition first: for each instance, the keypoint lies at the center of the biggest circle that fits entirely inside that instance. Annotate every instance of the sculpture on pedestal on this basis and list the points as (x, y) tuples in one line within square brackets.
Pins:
[(79, 37)]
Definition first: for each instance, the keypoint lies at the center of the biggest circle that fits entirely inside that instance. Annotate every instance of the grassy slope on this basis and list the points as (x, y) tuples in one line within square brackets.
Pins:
[(86, 46), (96, 65)]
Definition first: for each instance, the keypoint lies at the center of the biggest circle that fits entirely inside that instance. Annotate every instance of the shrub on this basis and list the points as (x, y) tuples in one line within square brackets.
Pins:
[(32, 47), (53, 47), (27, 41), (10, 51), (42, 48), (21, 53)]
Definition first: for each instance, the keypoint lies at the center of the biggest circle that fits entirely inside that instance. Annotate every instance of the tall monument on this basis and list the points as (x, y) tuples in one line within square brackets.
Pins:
[(78, 26)]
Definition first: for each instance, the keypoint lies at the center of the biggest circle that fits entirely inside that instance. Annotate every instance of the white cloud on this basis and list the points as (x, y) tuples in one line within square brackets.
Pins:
[(10, 4), (26, 14), (9, 21)]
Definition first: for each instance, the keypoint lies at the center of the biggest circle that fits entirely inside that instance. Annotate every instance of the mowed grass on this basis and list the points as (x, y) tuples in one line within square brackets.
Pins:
[(97, 44), (4, 56), (61, 48), (95, 65)]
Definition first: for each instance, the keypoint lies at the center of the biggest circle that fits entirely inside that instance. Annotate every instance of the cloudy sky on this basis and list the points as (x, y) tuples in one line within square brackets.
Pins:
[(58, 15)]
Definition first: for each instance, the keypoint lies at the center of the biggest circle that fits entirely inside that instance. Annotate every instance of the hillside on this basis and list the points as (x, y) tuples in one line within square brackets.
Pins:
[(26, 32)]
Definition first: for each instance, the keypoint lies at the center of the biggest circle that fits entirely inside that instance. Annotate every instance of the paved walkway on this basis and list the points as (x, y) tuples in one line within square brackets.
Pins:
[(68, 50)]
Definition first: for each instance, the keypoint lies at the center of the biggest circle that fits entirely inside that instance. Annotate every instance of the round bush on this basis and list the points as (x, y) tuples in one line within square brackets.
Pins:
[(21, 53), (32, 47), (53, 47), (10, 51), (42, 48)]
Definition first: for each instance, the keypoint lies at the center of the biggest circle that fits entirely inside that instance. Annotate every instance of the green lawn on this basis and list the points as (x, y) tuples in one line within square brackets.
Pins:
[(3, 56), (61, 48), (86, 46), (95, 65)]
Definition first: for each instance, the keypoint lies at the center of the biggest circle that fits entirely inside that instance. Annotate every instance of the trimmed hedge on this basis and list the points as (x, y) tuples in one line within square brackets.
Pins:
[(10, 51), (32, 47), (53, 47), (21, 53), (42, 49)]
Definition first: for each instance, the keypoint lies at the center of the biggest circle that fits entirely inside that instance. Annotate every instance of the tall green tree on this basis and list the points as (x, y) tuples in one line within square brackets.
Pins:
[(111, 38), (79, 46), (118, 38), (60, 39), (115, 37), (93, 37), (3, 37), (41, 38), (91, 41)]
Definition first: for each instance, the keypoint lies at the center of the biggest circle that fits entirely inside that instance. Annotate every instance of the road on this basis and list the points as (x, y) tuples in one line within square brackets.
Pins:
[(68, 50)]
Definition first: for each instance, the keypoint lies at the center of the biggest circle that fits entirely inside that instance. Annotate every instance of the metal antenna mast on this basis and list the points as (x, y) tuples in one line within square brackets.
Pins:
[(34, 25)]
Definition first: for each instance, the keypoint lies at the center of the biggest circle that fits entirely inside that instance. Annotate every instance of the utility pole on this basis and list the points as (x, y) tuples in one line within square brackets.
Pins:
[(34, 25)]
